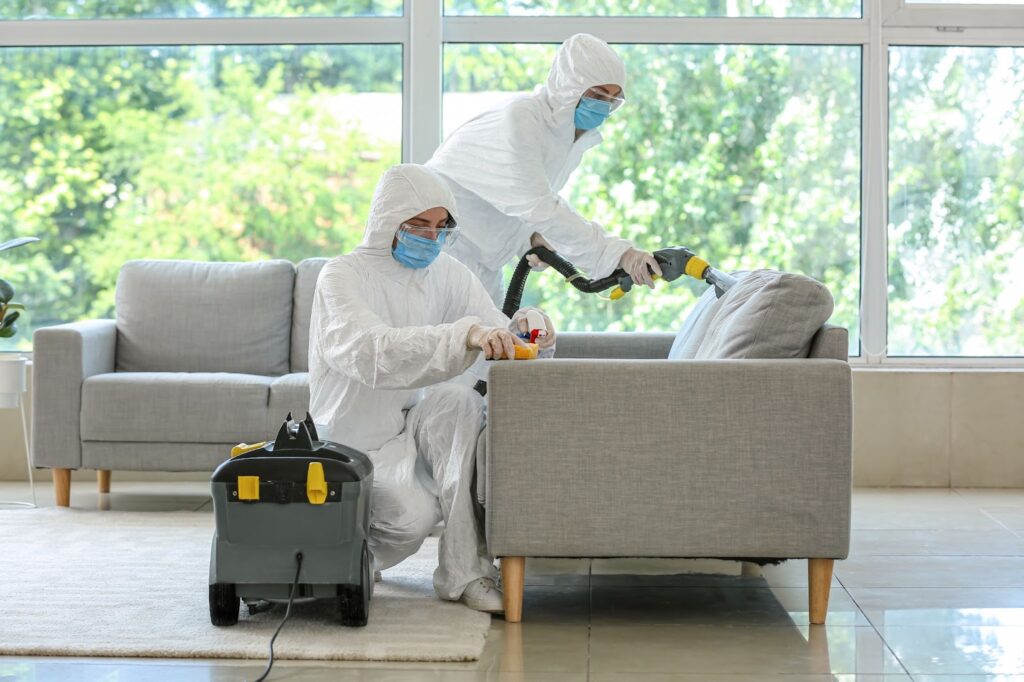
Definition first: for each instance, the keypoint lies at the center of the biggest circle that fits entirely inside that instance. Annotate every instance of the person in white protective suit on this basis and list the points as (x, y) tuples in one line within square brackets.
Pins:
[(391, 321), (507, 166)]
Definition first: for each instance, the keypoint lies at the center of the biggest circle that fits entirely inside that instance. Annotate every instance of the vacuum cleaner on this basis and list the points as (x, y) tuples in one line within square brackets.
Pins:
[(293, 518)]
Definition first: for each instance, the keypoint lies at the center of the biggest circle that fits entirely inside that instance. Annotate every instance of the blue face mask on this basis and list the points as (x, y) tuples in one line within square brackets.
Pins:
[(417, 252), (591, 113)]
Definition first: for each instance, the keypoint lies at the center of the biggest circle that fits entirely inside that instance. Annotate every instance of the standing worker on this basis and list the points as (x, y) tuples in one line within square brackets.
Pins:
[(507, 166)]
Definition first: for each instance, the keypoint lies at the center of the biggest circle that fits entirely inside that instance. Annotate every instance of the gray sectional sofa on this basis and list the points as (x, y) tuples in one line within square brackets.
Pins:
[(611, 450)]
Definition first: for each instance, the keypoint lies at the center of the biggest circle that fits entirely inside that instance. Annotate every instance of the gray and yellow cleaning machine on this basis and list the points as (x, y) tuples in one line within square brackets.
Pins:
[(293, 518)]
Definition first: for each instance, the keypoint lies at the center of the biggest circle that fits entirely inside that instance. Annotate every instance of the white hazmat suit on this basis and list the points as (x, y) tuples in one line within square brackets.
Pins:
[(507, 166), (382, 336)]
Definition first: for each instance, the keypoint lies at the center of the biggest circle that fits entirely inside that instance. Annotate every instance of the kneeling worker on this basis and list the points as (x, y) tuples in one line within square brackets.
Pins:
[(391, 322)]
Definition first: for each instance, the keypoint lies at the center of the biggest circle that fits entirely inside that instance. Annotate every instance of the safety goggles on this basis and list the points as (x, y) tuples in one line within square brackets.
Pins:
[(446, 234), (613, 102)]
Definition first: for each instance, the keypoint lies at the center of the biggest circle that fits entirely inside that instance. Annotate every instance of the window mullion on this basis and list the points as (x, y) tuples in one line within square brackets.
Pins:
[(874, 203), (422, 80)]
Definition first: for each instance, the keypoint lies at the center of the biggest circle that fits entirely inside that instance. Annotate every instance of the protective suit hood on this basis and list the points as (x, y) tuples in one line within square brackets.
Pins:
[(403, 192), (583, 61)]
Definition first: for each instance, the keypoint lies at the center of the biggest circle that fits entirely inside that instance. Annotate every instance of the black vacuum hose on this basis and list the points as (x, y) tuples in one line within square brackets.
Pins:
[(514, 296)]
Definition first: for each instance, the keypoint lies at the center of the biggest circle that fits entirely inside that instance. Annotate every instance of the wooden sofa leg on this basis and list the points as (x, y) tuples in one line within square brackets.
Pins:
[(819, 582), (103, 480), (62, 486), (513, 573)]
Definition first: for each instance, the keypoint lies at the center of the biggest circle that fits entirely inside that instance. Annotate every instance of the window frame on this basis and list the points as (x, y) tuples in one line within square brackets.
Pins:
[(423, 29)]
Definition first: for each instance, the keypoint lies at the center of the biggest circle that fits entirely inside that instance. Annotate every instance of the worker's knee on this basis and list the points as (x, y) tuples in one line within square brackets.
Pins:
[(457, 399), (402, 517)]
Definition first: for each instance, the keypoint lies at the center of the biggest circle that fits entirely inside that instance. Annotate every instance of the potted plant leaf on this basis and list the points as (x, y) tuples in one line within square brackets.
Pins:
[(12, 366)]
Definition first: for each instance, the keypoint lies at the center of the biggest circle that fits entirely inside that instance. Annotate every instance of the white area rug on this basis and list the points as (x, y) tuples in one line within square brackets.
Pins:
[(106, 583)]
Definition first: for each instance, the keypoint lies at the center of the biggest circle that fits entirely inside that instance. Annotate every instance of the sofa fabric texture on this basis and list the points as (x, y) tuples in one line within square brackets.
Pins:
[(176, 407), (667, 458), (183, 316), (306, 274)]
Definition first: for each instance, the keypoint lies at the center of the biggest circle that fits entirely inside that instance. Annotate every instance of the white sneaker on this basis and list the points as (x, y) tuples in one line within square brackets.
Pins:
[(483, 595)]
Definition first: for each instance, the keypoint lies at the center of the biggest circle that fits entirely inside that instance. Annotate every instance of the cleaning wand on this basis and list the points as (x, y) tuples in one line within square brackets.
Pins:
[(674, 261)]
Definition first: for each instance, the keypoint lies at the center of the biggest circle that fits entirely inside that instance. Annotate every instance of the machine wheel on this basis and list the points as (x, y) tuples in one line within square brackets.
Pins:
[(224, 604), (354, 600)]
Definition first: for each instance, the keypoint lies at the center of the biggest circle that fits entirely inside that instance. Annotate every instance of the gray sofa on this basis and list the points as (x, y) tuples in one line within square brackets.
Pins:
[(619, 453), (609, 451), (201, 357)]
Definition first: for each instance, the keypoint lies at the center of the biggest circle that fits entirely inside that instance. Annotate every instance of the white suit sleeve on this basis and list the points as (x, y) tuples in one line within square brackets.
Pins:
[(529, 197), (355, 341), (469, 298)]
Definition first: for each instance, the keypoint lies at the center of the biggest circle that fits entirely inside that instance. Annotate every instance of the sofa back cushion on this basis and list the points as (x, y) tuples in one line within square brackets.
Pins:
[(767, 315), (687, 341), (306, 274), (185, 316)]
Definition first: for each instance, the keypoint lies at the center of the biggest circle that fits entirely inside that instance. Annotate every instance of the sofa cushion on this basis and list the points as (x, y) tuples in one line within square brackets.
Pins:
[(766, 315), (306, 274), (175, 407), (688, 339), (184, 316), (288, 393)]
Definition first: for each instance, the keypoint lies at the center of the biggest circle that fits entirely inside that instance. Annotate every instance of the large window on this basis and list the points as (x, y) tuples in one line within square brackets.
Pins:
[(956, 201), (104, 9), (678, 8), (876, 145), (206, 153), (748, 155)]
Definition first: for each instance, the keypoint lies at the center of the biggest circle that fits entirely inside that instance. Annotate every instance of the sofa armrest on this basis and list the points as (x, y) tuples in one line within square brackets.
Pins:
[(723, 458), (63, 357)]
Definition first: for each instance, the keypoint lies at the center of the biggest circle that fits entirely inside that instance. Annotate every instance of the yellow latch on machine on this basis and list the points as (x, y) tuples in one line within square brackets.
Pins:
[(249, 488), (243, 448), (316, 485)]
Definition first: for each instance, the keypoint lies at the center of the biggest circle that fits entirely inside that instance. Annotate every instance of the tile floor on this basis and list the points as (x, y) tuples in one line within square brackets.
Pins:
[(933, 591)]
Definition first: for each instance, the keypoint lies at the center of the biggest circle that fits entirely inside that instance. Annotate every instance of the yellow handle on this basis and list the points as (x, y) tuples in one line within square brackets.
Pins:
[(243, 448), (618, 292), (527, 352), (316, 486)]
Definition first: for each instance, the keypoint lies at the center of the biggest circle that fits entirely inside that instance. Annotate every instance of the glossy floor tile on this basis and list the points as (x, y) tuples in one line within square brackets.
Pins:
[(940, 607), (1011, 517), (958, 650), (931, 571), (970, 543), (686, 677), (933, 591), (737, 606), (714, 649)]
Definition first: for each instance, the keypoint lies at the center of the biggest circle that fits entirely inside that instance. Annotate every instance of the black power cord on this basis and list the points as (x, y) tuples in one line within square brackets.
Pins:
[(287, 612)]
